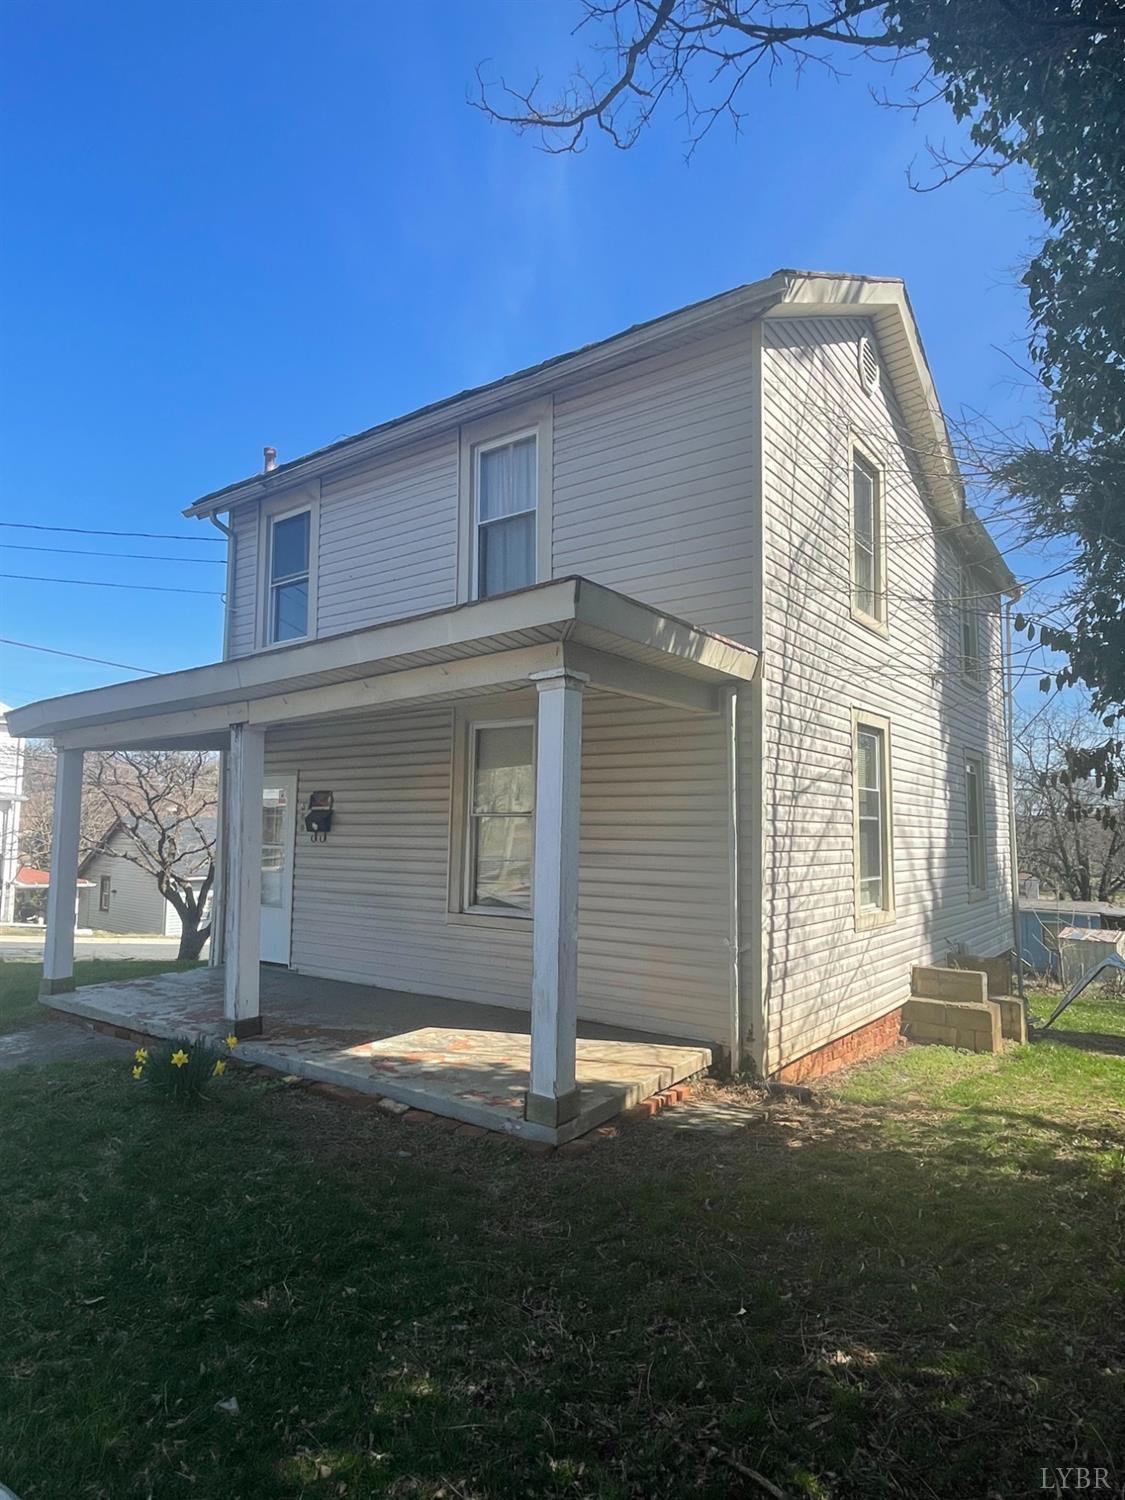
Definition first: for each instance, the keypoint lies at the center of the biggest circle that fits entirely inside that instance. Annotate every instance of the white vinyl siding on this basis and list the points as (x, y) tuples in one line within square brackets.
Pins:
[(826, 978), (371, 904)]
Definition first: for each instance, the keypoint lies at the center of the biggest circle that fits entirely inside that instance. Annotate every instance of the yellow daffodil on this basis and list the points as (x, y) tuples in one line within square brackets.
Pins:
[(138, 1069), (179, 1059), (220, 1067), (232, 1041), (141, 1054)]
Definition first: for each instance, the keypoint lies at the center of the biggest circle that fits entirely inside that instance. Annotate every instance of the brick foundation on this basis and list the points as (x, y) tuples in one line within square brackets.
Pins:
[(876, 1036)]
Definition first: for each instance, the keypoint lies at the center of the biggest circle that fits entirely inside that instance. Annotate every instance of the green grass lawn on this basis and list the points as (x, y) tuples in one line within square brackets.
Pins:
[(19, 983), (1095, 1011), (914, 1290)]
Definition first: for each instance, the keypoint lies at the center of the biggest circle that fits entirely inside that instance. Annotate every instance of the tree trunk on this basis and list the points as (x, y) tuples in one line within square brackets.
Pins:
[(192, 939)]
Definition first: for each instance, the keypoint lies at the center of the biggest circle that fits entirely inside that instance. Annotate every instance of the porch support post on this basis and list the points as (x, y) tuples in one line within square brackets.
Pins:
[(62, 893), (553, 1097), (242, 886)]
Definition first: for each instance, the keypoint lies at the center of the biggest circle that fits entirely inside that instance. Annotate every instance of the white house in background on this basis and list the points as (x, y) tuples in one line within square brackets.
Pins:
[(659, 684), (122, 896), (11, 800)]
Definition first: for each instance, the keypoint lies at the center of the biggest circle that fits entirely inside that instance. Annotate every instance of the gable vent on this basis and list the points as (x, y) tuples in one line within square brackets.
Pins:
[(868, 366)]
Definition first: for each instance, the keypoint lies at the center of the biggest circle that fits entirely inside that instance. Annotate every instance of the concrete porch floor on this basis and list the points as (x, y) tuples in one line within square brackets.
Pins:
[(450, 1057)]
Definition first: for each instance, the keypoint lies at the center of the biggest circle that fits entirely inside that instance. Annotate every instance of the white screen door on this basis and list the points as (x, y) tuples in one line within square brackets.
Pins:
[(279, 806)]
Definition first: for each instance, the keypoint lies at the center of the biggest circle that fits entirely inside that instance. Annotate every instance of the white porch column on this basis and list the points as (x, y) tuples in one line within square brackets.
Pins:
[(553, 1096), (62, 893), (242, 886)]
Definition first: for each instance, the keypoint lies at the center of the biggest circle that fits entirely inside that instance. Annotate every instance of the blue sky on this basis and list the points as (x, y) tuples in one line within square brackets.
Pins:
[(232, 225)]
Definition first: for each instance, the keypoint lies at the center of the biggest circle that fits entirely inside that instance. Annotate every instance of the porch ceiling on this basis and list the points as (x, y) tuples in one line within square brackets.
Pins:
[(621, 644)]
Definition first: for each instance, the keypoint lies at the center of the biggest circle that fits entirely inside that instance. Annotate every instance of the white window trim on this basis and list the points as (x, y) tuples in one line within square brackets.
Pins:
[(105, 892), (871, 917), (466, 722), (281, 509), (968, 586), (876, 623), (534, 420), (976, 892)]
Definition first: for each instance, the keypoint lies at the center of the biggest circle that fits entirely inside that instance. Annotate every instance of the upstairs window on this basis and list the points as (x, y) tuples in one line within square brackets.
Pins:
[(972, 604), (975, 825), (869, 603), (501, 816), (287, 603), (506, 488)]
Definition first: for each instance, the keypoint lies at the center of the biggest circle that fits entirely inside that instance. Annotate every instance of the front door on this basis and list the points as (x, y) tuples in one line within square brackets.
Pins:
[(279, 807)]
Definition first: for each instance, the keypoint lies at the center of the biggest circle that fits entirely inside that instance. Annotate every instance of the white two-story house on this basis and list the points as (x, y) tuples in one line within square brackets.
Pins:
[(658, 685)]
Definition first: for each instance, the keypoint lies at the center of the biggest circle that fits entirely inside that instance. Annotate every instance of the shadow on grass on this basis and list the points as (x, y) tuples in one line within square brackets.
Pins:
[(853, 1301)]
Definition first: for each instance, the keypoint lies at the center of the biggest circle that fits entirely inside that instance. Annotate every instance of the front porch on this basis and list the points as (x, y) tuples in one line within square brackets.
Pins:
[(468, 1062)]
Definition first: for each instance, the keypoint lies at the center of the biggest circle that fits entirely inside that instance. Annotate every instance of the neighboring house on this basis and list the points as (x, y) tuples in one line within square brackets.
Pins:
[(123, 896), (661, 683), (30, 889), (11, 800), (1043, 919)]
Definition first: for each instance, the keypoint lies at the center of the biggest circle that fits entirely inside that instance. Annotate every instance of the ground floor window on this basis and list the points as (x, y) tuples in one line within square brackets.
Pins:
[(874, 869), (974, 807), (501, 818), (103, 893)]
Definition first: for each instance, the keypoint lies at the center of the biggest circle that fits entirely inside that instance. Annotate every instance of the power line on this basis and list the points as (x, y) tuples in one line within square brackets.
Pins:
[(152, 536), (99, 660), (90, 583), (215, 562)]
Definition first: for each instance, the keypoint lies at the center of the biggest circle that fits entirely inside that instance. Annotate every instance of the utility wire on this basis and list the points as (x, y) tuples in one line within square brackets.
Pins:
[(157, 536), (99, 660), (90, 583), (215, 562)]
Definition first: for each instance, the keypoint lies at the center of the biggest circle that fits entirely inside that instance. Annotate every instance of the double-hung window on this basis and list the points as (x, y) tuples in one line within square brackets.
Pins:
[(874, 865), (104, 885), (287, 599), (975, 825), (501, 818), (869, 603), (506, 496), (971, 604)]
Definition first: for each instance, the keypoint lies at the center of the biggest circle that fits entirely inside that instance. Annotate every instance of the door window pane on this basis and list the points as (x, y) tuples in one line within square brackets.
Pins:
[(274, 802)]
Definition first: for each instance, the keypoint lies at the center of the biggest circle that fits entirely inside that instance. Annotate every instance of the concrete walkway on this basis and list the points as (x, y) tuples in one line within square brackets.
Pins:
[(53, 1040), (31, 947)]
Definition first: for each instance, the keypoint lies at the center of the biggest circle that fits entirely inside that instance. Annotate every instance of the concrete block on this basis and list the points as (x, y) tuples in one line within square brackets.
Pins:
[(963, 986), (972, 1026), (997, 971), (1013, 1019)]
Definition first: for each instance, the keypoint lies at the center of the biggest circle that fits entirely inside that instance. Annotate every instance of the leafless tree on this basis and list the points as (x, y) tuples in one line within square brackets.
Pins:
[(155, 809), (1067, 835)]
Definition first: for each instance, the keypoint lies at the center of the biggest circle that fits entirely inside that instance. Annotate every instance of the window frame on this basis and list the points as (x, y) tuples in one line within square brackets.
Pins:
[(467, 723), (491, 445), (868, 917), (860, 454), (533, 420), (284, 508), (972, 667), (974, 760), (105, 892)]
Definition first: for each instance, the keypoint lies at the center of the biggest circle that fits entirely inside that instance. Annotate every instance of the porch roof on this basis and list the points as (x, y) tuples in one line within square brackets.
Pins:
[(620, 643)]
